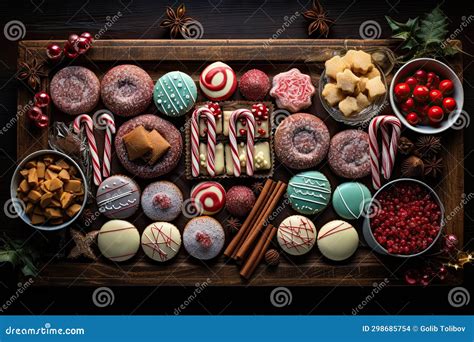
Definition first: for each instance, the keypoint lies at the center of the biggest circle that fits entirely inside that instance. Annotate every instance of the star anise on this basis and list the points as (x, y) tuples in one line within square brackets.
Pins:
[(31, 72), (428, 145), (319, 20), (233, 224), (405, 146), (83, 245), (257, 187), (176, 21), (433, 167)]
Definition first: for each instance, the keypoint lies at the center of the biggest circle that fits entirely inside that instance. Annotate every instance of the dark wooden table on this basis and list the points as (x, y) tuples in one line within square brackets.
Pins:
[(230, 20)]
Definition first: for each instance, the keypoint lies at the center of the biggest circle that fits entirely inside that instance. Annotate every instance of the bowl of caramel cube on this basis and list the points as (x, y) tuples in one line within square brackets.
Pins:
[(48, 190), (352, 87)]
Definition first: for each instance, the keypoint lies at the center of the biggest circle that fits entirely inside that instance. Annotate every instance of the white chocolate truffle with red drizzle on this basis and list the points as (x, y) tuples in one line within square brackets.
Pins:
[(118, 197), (162, 201), (208, 197), (203, 237), (338, 240), (218, 81), (118, 240), (296, 235), (161, 241)]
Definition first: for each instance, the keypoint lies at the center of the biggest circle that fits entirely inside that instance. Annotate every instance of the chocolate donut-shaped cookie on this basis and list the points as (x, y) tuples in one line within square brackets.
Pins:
[(166, 163), (126, 90), (301, 141), (349, 154), (75, 90)]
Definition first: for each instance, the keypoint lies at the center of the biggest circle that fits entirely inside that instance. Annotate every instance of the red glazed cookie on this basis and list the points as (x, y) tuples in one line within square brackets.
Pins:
[(292, 90), (126, 90), (349, 154), (75, 90), (166, 163), (301, 141)]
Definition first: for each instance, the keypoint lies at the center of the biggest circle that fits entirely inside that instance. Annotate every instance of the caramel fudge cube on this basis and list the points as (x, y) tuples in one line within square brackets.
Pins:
[(137, 143), (40, 169), (52, 213), (64, 174), (73, 210), (32, 177), (24, 186), (37, 219), (55, 184), (347, 81), (218, 158), (332, 94), (159, 147), (348, 106), (375, 87), (73, 185), (335, 65)]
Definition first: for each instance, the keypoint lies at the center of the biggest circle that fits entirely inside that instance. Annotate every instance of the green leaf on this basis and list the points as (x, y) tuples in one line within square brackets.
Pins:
[(433, 28), (402, 30)]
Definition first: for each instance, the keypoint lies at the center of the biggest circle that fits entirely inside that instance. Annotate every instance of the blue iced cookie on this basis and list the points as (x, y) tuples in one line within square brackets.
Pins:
[(309, 192), (175, 93), (349, 200)]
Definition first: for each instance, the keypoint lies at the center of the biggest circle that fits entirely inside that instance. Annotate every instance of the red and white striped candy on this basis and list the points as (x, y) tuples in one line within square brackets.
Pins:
[(250, 119), (104, 120), (86, 121), (390, 128), (211, 141)]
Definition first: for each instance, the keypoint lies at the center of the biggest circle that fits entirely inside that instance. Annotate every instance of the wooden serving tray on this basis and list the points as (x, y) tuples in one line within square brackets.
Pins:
[(160, 56)]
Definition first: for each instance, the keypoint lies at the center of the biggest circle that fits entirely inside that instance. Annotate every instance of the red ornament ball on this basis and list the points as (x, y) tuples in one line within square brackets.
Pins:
[(88, 36), (42, 99), (81, 45), (34, 113), (42, 122), (69, 50), (72, 38), (254, 85), (239, 200)]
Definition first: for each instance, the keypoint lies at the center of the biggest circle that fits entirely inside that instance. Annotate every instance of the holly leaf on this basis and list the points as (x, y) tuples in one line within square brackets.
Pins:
[(433, 28), (402, 30)]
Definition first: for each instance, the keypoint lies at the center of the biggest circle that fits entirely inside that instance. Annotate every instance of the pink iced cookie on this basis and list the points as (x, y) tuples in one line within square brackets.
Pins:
[(292, 90)]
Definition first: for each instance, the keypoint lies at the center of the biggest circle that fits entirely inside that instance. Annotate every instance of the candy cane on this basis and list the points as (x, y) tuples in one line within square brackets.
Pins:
[(211, 141), (85, 120), (389, 146), (104, 119), (250, 119)]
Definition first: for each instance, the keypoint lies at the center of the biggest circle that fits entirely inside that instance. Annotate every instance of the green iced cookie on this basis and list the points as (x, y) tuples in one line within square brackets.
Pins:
[(349, 200), (309, 192), (175, 93)]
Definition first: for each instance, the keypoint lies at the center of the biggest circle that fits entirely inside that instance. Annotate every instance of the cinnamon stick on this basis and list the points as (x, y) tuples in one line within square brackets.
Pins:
[(256, 251), (265, 204), (248, 222), (249, 241), (251, 266)]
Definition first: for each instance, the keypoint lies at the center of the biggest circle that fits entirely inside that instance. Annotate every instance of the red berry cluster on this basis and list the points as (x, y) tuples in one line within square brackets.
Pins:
[(73, 47), (35, 113), (407, 221), (424, 98), (425, 275)]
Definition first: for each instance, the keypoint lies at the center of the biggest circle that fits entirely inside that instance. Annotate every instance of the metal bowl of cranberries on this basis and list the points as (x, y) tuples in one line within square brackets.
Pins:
[(404, 219), (427, 96)]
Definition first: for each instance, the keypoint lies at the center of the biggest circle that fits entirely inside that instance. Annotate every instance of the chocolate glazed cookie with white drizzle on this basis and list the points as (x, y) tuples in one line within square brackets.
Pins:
[(118, 197)]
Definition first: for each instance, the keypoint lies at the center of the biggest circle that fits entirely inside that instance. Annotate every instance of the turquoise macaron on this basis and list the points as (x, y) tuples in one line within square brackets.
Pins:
[(175, 93), (350, 199)]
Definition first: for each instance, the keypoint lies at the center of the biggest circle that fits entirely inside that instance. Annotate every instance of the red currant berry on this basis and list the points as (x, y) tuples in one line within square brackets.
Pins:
[(421, 93), (69, 50), (34, 113), (42, 122), (446, 87), (412, 118), (72, 38), (435, 114), (81, 45), (436, 97), (88, 36), (42, 99), (402, 91), (54, 52), (449, 104)]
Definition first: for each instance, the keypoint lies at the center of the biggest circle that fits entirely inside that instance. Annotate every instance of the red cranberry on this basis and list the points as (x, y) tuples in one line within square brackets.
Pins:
[(41, 99), (412, 82), (54, 52), (421, 76), (34, 113), (42, 122), (446, 87)]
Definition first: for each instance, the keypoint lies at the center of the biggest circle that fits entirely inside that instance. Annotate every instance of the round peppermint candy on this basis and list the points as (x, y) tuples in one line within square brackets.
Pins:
[(218, 81), (208, 197)]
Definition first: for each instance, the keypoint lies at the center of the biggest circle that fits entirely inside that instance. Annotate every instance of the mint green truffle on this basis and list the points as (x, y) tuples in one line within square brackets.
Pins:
[(349, 200), (309, 192), (175, 93)]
